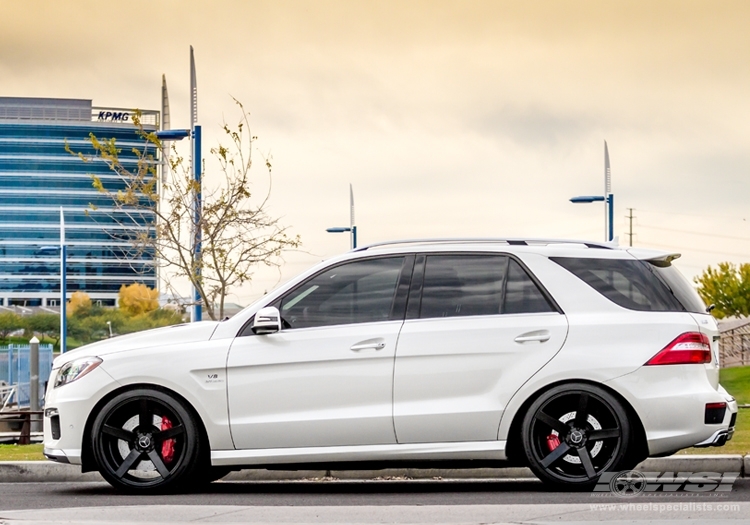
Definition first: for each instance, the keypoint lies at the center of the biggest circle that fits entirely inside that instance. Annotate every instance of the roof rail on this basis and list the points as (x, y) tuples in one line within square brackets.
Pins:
[(511, 241)]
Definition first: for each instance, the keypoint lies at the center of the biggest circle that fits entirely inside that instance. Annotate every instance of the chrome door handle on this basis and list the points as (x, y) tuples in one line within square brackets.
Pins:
[(368, 345), (539, 336)]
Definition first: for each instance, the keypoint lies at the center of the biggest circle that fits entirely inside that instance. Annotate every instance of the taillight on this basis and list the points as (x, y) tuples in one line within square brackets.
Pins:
[(689, 348)]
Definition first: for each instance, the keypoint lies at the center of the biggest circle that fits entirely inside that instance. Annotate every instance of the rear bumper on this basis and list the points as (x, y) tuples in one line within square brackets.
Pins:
[(718, 439), (671, 402)]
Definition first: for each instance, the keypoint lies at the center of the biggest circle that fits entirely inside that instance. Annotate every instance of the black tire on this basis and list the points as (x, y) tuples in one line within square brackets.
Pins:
[(573, 433), (146, 441)]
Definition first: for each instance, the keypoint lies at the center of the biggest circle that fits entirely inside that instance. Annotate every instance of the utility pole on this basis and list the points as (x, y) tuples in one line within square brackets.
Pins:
[(630, 218)]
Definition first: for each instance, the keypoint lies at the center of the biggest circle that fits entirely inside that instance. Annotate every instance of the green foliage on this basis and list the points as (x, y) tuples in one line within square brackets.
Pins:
[(90, 325), (10, 322), (47, 325), (727, 288)]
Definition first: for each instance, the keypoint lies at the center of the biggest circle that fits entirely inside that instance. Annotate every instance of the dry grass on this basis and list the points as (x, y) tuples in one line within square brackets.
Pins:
[(21, 453)]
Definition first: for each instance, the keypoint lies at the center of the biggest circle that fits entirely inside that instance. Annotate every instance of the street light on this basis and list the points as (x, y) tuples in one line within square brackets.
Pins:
[(172, 134), (344, 229), (608, 198), (351, 228), (195, 167), (609, 203)]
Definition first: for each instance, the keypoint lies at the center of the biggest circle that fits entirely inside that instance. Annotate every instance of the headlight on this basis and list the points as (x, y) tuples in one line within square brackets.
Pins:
[(76, 369)]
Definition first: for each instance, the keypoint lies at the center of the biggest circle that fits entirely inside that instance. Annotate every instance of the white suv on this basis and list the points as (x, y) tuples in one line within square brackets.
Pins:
[(573, 358)]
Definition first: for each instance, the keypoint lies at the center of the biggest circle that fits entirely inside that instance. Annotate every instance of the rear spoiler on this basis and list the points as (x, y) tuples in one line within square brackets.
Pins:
[(664, 261), (656, 257)]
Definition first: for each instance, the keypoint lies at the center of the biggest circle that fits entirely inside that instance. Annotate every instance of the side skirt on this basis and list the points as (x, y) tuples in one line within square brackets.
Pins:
[(412, 453)]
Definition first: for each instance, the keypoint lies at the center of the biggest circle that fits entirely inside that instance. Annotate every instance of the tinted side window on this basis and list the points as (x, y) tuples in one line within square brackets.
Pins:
[(522, 295), (628, 283), (682, 289), (463, 285), (356, 292)]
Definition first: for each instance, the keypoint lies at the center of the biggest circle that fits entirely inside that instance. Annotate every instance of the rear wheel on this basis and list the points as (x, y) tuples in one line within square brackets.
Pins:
[(573, 433), (145, 441)]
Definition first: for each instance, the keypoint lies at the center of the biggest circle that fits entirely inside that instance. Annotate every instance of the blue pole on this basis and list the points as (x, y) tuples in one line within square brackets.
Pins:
[(198, 312), (63, 286), (63, 302), (611, 211)]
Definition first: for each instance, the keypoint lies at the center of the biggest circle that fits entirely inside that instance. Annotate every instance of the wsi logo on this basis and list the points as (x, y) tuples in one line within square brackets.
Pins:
[(114, 116), (631, 483)]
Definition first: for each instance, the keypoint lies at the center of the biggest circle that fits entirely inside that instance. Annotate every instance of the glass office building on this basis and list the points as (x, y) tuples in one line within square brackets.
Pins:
[(38, 177)]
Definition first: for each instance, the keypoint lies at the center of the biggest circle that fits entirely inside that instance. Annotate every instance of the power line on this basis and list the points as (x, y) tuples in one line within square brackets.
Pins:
[(744, 219), (682, 249), (695, 233)]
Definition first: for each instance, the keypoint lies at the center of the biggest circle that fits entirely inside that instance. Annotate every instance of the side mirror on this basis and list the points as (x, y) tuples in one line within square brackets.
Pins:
[(267, 321)]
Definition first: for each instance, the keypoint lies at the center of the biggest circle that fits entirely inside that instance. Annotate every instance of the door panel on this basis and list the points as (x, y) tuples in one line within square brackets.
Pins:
[(454, 376), (477, 328), (326, 379), (313, 387)]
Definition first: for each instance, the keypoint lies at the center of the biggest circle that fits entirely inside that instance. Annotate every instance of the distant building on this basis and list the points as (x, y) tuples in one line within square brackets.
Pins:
[(37, 177)]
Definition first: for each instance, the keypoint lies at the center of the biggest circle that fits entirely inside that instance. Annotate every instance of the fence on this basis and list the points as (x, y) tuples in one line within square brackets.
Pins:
[(15, 370), (734, 348), (734, 342)]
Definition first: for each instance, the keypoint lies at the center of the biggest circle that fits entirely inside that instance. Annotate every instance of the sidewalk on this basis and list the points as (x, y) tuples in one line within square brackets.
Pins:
[(48, 471)]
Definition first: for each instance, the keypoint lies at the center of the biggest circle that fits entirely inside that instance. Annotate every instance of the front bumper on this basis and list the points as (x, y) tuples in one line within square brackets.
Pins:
[(66, 413)]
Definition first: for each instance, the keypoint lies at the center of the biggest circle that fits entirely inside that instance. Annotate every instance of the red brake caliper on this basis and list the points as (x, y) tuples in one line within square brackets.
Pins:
[(167, 447), (553, 441)]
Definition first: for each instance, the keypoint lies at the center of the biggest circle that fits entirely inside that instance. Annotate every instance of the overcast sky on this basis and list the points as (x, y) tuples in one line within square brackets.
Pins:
[(450, 118)]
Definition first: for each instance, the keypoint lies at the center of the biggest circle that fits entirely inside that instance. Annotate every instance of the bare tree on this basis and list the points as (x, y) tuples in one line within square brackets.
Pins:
[(235, 230)]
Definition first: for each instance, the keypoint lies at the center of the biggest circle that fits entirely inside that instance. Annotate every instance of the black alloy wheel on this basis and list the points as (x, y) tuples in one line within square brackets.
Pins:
[(573, 433), (145, 441)]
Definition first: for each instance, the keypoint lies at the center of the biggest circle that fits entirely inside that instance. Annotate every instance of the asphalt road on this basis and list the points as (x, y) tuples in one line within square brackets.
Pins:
[(365, 502), (16, 496)]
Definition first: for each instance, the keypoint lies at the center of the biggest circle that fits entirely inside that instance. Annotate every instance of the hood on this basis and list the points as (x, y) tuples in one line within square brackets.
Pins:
[(176, 334)]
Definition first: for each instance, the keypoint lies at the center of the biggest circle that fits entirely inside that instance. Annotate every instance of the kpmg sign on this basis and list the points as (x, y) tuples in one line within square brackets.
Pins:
[(113, 116), (149, 118)]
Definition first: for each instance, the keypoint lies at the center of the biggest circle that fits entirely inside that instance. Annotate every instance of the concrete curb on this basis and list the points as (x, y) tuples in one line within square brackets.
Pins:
[(48, 471), (697, 463), (43, 471)]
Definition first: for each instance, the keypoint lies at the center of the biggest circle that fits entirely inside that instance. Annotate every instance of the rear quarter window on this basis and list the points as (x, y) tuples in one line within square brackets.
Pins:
[(635, 284)]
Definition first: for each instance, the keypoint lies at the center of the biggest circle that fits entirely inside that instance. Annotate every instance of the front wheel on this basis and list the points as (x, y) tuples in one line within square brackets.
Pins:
[(145, 441), (573, 433)]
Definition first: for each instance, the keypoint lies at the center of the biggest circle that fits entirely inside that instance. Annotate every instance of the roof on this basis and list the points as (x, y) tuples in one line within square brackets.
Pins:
[(23, 108), (508, 241)]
